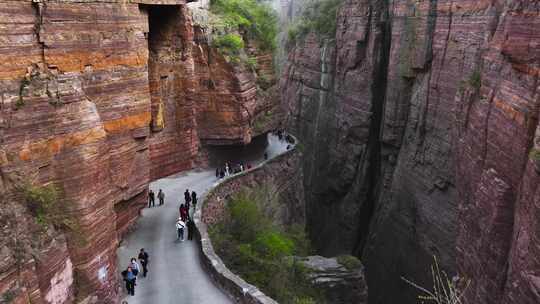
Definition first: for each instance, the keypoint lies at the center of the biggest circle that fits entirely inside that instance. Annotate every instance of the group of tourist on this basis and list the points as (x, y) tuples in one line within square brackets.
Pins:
[(152, 198), (228, 170), (185, 221), (134, 269)]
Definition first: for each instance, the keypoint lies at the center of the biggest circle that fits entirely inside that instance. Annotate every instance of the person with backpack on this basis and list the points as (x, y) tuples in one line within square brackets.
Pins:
[(129, 277), (161, 197), (143, 258), (180, 225)]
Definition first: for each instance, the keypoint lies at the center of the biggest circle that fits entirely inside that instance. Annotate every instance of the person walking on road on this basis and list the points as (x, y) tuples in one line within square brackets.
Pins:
[(143, 258), (151, 199), (187, 196), (190, 229), (135, 268), (180, 225), (227, 169), (161, 197), (129, 277), (194, 198), (217, 173), (183, 212)]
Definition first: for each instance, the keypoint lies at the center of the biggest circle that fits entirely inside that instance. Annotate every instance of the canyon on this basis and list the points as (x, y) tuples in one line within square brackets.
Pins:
[(99, 99), (417, 122), (420, 126)]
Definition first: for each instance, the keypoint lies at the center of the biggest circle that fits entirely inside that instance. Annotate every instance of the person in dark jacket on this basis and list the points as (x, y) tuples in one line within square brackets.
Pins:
[(161, 197), (143, 258), (194, 198), (151, 199), (187, 196), (190, 229), (217, 173)]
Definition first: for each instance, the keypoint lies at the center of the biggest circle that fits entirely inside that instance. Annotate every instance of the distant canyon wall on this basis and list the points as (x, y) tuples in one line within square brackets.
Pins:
[(100, 98), (419, 121)]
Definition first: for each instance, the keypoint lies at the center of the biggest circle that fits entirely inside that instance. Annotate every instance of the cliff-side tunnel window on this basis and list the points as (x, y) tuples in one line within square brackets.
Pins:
[(165, 45)]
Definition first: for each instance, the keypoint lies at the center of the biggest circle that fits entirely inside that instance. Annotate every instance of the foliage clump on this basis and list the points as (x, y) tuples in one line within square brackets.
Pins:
[(350, 262), (47, 207), (254, 18), (318, 17), (534, 154), (475, 80), (261, 252), (229, 44)]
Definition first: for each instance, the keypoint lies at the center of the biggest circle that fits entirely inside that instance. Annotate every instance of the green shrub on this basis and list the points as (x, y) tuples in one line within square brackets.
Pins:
[(229, 44), (8, 296), (256, 18), (475, 80), (534, 154), (319, 17), (252, 63), (260, 252), (48, 208), (272, 244), (350, 262)]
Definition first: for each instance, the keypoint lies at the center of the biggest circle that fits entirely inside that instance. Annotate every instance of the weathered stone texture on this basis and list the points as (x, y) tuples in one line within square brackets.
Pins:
[(423, 144), (101, 97), (338, 284)]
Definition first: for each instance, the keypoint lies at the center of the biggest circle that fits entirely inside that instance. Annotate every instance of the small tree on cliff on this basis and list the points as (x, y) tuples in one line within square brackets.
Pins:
[(445, 290)]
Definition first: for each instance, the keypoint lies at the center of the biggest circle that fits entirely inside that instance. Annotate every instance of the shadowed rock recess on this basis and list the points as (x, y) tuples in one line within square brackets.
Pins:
[(419, 121)]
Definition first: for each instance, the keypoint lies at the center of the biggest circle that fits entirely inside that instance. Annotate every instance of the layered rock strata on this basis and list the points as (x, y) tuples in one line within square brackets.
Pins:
[(339, 284), (419, 120), (100, 98)]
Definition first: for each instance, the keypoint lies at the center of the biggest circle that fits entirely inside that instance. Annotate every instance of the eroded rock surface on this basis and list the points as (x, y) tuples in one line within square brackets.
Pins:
[(418, 120), (338, 283), (101, 98)]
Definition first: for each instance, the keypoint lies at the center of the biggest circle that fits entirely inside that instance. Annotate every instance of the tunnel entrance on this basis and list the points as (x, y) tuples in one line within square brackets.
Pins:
[(247, 154)]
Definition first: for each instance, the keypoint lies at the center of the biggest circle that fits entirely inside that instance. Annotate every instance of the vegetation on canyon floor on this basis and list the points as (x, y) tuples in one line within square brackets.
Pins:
[(446, 290), (318, 17), (262, 252)]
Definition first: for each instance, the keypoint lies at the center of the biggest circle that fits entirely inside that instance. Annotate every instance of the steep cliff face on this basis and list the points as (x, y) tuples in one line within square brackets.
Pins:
[(100, 98), (418, 119)]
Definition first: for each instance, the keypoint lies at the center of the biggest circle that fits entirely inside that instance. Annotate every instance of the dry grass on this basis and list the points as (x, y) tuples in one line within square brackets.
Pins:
[(445, 290)]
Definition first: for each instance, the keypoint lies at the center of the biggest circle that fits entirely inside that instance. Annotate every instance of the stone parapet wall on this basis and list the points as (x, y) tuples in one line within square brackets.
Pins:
[(285, 172)]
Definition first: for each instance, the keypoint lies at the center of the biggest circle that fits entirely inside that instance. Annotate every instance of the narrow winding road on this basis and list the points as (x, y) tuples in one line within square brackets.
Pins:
[(175, 273)]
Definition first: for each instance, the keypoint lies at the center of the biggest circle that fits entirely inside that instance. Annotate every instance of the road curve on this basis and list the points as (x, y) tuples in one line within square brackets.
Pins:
[(175, 275)]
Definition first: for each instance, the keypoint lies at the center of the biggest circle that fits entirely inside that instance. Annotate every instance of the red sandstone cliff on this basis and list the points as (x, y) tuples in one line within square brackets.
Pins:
[(102, 98), (418, 119)]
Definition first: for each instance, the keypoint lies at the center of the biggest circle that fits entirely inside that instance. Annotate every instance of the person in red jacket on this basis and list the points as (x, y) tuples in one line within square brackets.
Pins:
[(183, 212)]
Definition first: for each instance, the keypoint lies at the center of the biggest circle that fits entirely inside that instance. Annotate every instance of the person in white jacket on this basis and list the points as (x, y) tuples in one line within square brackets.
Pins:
[(180, 226)]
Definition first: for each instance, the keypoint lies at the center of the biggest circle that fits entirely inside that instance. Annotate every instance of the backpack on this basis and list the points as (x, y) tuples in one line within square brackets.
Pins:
[(135, 271)]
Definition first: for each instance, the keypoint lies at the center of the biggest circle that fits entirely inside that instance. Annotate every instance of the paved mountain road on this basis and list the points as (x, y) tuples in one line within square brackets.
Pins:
[(175, 273)]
